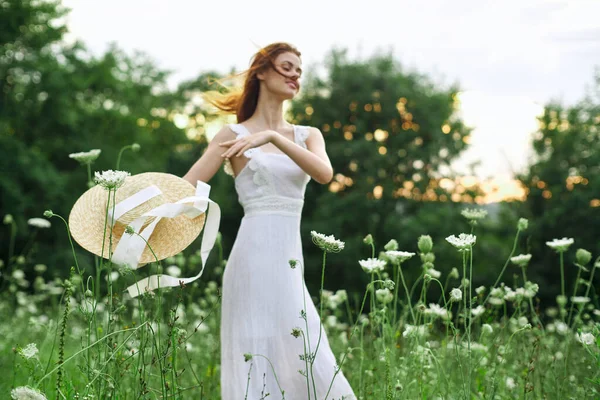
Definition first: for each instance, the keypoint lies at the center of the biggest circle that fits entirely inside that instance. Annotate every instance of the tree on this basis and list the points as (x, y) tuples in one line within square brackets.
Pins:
[(57, 99), (563, 187), (388, 132)]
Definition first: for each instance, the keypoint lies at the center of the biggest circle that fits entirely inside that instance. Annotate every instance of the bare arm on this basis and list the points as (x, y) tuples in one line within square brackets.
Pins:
[(313, 160), (210, 162)]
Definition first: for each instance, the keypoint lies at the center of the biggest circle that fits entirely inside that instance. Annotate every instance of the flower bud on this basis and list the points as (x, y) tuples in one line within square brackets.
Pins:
[(583, 256), (391, 245), (425, 244), (522, 224), (368, 239)]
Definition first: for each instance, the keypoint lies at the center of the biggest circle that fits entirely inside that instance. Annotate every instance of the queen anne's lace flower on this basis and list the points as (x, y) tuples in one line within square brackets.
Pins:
[(26, 393), (384, 295), (474, 213), (521, 260), (560, 245), (110, 179), (372, 265), (327, 243), (29, 351), (463, 242), (477, 311), (398, 257), (86, 157), (438, 311), (580, 299), (39, 223), (415, 330), (585, 338), (456, 294)]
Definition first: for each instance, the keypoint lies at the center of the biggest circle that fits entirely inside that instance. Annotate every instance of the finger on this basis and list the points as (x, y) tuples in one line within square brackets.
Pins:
[(228, 142), (243, 150), (232, 150)]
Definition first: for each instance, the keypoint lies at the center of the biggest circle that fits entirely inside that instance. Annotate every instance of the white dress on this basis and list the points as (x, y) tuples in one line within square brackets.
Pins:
[(262, 295)]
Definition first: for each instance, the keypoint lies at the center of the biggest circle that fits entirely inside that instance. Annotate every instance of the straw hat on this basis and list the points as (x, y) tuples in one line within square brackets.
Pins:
[(171, 235)]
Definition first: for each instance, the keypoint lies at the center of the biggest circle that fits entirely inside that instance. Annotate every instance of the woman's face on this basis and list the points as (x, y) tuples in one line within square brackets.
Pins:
[(283, 78)]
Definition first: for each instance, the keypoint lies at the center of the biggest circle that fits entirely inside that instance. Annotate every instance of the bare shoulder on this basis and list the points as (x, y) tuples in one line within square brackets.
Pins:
[(224, 134), (314, 134)]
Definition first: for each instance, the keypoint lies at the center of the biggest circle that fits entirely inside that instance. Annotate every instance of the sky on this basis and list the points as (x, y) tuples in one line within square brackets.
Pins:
[(509, 57)]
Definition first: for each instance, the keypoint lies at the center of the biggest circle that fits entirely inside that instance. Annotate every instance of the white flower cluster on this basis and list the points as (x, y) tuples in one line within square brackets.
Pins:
[(438, 311), (86, 157), (415, 331), (39, 223), (474, 213), (26, 393), (560, 245), (398, 257), (29, 351), (585, 338), (463, 242), (455, 295), (110, 179), (384, 296), (372, 265), (521, 260), (333, 301), (327, 243)]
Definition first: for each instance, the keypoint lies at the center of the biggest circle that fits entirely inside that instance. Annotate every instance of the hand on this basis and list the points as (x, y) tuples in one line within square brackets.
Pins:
[(238, 146)]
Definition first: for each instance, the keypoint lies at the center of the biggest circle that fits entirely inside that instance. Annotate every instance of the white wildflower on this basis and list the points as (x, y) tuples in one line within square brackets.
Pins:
[(473, 213), (580, 299), (509, 294), (463, 242), (434, 273), (480, 290), (487, 329), (29, 351), (18, 274), (26, 393), (86, 157), (510, 383), (454, 273), (521, 260), (110, 179), (495, 301), (560, 245), (561, 327), (477, 311), (412, 330), (372, 265), (438, 311), (585, 338), (174, 270), (398, 257), (384, 295), (327, 243), (455, 295), (39, 223)]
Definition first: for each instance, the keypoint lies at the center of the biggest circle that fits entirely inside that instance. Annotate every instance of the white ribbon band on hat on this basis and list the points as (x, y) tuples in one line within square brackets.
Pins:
[(130, 247)]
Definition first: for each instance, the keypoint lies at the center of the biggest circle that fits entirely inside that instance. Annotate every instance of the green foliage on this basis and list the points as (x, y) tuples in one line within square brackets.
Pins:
[(563, 184), (388, 132), (57, 99)]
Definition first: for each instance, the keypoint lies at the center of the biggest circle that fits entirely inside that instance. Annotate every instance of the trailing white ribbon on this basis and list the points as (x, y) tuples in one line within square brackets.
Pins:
[(130, 248)]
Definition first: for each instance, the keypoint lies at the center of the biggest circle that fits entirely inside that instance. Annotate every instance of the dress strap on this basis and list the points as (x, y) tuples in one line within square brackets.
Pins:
[(241, 131), (301, 134)]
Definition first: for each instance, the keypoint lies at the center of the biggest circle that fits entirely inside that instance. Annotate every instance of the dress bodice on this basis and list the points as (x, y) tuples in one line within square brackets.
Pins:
[(271, 183)]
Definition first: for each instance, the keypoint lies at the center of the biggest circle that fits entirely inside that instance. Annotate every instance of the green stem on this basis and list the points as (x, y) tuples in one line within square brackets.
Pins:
[(412, 313), (503, 268), (120, 154)]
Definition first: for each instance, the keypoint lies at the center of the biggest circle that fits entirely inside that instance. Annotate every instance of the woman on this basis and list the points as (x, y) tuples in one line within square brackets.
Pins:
[(263, 296)]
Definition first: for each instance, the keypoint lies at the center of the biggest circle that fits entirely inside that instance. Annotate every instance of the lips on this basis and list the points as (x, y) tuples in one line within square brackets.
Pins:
[(292, 84)]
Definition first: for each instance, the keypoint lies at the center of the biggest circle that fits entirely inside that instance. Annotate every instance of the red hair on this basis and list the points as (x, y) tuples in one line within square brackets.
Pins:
[(243, 102)]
